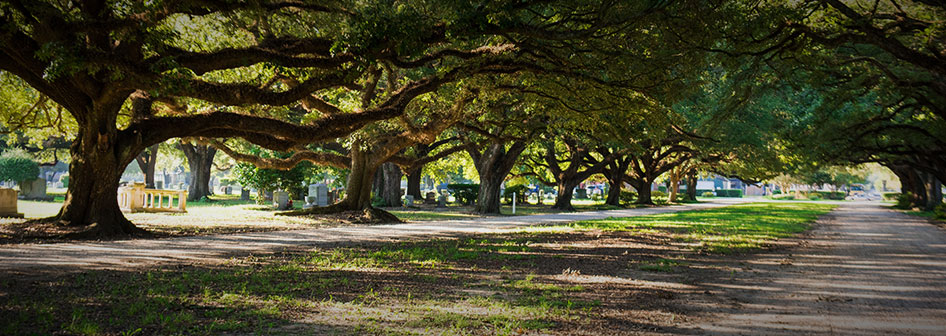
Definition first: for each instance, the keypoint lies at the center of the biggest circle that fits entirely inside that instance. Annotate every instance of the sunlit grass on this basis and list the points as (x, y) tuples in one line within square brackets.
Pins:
[(726, 229)]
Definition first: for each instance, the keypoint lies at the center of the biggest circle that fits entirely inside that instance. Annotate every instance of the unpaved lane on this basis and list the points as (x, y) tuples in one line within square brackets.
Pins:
[(37, 258), (863, 270)]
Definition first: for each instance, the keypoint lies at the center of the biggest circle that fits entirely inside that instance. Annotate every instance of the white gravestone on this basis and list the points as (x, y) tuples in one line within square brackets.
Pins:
[(318, 195), (281, 200)]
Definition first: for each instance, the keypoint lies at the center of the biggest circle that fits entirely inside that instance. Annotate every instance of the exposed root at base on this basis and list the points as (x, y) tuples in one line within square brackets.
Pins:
[(365, 216), (52, 229)]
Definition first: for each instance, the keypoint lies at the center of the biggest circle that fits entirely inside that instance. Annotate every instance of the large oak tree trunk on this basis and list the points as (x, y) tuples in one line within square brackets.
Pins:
[(933, 190), (391, 180), (692, 180), (615, 173), (566, 189), (96, 168), (200, 160), (643, 191), (413, 183), (147, 160), (493, 165), (358, 188), (489, 199), (674, 186)]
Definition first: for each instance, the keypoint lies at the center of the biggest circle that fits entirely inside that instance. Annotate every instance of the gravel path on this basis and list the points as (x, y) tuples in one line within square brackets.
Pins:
[(863, 270), (35, 259)]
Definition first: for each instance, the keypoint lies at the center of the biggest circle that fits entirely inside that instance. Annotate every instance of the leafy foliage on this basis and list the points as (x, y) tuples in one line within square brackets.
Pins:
[(464, 193), (16, 165)]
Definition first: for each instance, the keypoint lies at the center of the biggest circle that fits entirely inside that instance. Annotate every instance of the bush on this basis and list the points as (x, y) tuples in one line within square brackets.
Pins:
[(939, 212), (464, 193), (518, 190), (814, 197), (708, 194), (703, 191), (65, 180), (891, 196), (17, 166), (831, 195), (729, 192), (904, 201), (627, 197)]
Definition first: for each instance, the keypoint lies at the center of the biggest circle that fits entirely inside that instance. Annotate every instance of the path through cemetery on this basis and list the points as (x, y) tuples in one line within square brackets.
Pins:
[(865, 269)]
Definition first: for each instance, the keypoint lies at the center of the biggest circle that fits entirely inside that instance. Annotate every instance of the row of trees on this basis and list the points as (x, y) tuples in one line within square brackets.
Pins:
[(554, 90)]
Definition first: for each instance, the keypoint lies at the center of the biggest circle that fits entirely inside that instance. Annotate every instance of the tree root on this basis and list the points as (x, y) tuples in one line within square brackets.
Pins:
[(362, 216)]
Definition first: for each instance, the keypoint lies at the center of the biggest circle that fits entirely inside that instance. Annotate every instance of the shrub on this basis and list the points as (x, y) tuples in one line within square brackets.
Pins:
[(831, 195), (708, 194), (904, 201), (65, 180), (891, 196), (814, 197), (17, 166), (518, 190), (729, 192), (464, 193), (627, 197), (940, 211)]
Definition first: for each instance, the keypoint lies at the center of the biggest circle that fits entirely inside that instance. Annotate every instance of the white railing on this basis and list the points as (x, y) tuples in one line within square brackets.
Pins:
[(135, 198)]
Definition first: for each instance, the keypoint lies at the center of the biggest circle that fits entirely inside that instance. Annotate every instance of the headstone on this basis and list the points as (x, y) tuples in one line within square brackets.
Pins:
[(318, 196), (281, 200), (321, 194), (8, 203), (431, 198), (581, 193), (409, 200), (442, 201), (33, 189), (267, 195), (159, 184), (244, 193)]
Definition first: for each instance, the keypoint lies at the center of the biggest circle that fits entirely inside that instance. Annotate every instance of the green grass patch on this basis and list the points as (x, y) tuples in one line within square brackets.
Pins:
[(722, 230)]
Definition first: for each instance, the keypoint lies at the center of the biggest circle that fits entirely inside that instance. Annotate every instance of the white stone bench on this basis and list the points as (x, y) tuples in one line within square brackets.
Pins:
[(135, 198)]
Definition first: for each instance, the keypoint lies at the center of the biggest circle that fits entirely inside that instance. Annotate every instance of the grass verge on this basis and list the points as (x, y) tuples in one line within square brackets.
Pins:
[(720, 230)]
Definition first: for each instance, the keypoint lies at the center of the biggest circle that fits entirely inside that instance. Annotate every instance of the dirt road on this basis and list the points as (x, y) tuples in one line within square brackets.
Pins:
[(863, 270)]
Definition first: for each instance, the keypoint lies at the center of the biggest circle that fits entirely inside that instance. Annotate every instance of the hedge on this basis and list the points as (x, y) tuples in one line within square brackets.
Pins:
[(729, 192), (464, 193)]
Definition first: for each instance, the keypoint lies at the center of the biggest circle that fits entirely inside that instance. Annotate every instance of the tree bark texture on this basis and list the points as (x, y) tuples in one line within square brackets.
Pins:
[(200, 159), (691, 179), (615, 173), (391, 192), (413, 183), (147, 160), (493, 165)]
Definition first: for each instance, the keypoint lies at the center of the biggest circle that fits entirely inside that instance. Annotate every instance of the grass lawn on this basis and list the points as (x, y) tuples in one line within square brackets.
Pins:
[(565, 280), (725, 229)]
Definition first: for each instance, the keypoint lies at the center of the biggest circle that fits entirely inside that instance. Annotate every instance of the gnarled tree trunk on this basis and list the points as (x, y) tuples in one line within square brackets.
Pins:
[(98, 160), (691, 180), (566, 188), (413, 183), (493, 165), (200, 160), (615, 173), (391, 182), (147, 160), (643, 187)]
